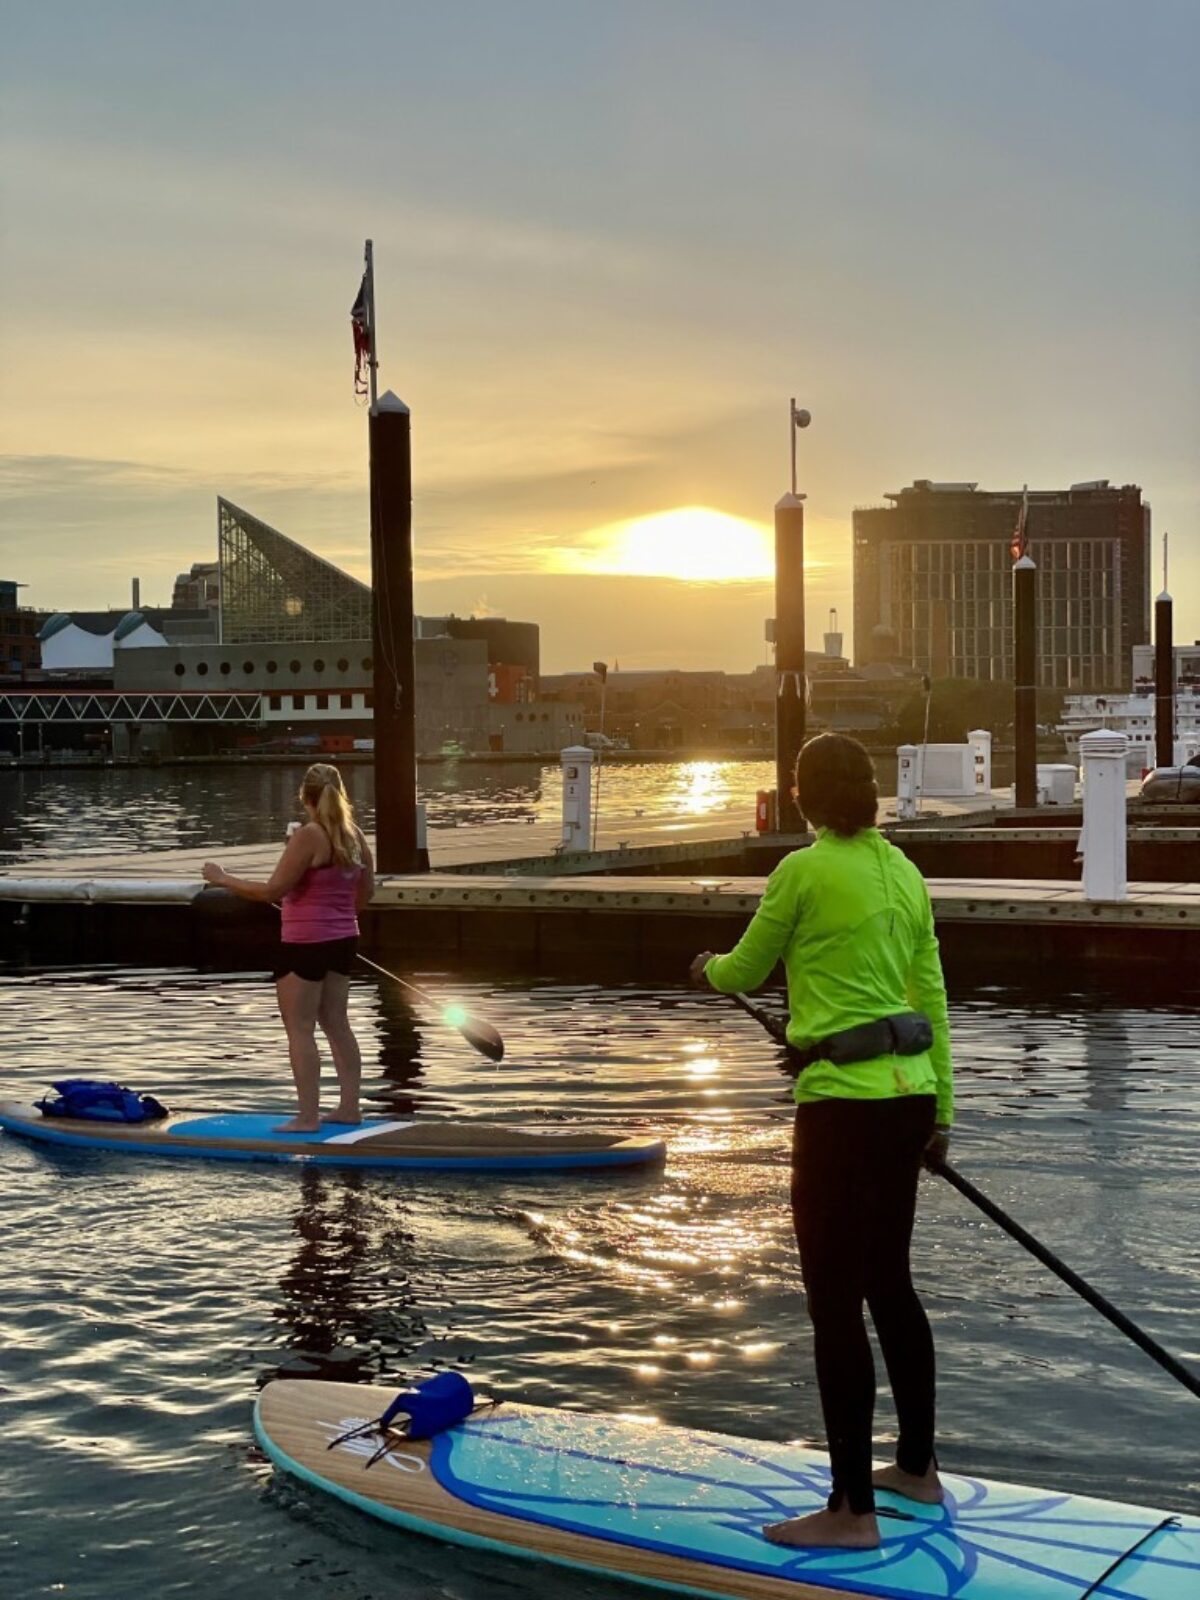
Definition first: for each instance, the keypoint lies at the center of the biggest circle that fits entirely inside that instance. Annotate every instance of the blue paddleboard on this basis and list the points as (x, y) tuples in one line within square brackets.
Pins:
[(684, 1511), (409, 1145)]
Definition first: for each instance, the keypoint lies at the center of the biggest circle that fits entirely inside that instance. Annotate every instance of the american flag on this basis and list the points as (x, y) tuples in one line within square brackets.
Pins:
[(1019, 543), (360, 323)]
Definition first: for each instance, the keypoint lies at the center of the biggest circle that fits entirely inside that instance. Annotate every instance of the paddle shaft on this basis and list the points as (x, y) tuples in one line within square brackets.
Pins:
[(403, 982), (1105, 1307), (776, 1028)]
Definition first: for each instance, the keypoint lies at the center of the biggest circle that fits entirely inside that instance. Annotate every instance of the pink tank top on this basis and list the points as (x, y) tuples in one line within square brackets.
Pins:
[(322, 906)]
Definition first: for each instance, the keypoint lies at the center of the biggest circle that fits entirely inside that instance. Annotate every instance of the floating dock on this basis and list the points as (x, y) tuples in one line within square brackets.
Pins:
[(647, 925)]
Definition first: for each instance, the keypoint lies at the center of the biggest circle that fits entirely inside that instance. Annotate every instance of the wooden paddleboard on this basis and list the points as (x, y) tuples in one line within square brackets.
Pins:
[(683, 1511), (414, 1146)]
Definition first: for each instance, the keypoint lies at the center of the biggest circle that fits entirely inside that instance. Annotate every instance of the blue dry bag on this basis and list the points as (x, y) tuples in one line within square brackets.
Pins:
[(433, 1406), (89, 1100)]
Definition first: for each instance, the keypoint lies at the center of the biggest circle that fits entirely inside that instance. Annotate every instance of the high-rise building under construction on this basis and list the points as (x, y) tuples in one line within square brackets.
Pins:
[(933, 581)]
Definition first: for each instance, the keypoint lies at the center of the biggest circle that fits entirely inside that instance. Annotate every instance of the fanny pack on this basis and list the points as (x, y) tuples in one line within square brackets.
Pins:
[(908, 1033)]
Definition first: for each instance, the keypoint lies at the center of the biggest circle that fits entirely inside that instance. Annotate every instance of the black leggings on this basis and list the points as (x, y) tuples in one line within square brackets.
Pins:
[(855, 1165)]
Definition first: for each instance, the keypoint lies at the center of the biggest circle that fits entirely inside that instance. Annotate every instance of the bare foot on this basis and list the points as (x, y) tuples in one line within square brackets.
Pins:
[(834, 1530), (297, 1125), (347, 1114), (927, 1489)]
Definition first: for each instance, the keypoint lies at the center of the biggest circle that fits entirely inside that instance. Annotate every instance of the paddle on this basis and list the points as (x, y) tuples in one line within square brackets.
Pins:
[(776, 1028), (480, 1035)]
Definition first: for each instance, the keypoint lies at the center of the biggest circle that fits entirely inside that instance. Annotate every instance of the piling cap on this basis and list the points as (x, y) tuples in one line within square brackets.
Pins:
[(1025, 561), (389, 402), (1102, 742), (1163, 598), (790, 502)]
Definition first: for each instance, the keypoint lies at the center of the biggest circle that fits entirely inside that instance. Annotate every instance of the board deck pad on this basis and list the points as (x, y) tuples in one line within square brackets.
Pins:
[(684, 1510), (417, 1145)]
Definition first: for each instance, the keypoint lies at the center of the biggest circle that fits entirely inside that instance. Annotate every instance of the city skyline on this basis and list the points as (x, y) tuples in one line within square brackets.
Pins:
[(609, 247)]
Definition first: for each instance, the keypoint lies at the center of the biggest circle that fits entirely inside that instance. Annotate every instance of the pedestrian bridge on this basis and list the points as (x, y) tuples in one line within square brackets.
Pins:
[(56, 706)]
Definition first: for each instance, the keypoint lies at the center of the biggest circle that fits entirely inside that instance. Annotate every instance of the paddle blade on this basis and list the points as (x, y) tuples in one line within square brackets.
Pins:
[(479, 1035)]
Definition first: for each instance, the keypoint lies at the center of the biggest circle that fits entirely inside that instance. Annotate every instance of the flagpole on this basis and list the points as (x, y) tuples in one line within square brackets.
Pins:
[(372, 359), (792, 434)]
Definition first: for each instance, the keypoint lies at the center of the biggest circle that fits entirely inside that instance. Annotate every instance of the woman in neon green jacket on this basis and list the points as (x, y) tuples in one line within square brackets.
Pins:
[(851, 918)]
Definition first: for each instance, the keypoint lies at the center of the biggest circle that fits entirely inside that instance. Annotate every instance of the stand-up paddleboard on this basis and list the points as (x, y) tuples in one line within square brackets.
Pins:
[(683, 1511), (412, 1146)]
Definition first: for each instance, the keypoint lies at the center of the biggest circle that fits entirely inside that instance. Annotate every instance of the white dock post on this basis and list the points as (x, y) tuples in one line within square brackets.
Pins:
[(577, 797), (980, 740), (906, 782), (1102, 755)]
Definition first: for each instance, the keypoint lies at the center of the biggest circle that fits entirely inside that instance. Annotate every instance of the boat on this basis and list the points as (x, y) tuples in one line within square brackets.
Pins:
[(683, 1511), (401, 1145), (1134, 716)]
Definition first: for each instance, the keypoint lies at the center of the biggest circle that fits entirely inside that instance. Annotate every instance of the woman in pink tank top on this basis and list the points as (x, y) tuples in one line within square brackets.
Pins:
[(321, 881)]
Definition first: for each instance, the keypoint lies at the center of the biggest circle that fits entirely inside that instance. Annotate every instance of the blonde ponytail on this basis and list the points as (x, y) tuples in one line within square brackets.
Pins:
[(324, 790)]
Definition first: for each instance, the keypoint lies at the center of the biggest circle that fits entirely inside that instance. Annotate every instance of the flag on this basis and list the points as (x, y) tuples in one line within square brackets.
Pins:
[(360, 324), (1019, 543), (800, 417)]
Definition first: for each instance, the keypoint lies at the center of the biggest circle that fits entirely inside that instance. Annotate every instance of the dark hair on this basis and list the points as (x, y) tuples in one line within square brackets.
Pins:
[(835, 784)]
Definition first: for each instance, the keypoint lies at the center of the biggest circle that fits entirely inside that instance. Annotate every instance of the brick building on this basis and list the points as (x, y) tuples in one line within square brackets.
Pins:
[(20, 625)]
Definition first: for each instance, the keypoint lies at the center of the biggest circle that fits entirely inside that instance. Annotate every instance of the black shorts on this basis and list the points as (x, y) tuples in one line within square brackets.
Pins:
[(313, 962)]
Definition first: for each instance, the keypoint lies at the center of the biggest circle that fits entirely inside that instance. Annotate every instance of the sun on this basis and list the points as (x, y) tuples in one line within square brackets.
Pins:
[(691, 542)]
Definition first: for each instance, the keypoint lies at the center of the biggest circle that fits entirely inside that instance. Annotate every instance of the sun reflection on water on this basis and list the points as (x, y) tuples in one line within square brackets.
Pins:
[(701, 787)]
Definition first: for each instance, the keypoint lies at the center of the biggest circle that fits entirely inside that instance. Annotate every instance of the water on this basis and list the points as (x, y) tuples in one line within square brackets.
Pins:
[(143, 1303), (122, 810)]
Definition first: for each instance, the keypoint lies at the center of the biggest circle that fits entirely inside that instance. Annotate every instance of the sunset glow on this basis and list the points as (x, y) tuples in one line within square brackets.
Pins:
[(691, 542)]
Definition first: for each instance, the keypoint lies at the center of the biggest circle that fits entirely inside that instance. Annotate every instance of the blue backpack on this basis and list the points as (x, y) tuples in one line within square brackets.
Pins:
[(89, 1100)]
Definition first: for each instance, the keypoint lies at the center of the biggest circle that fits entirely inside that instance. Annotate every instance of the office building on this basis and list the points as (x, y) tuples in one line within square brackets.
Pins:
[(933, 581)]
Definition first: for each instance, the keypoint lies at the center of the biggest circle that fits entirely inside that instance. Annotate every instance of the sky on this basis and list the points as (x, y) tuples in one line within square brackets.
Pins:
[(612, 240)]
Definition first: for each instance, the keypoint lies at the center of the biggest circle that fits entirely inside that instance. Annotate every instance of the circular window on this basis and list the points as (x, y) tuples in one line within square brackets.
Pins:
[(520, 716), (272, 666), (293, 666), (179, 669), (247, 667), (226, 669), (368, 665), (202, 669), (343, 665), (545, 716), (318, 665)]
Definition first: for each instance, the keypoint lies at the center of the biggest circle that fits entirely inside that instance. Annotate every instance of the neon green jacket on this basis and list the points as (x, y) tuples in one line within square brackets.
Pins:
[(852, 920)]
